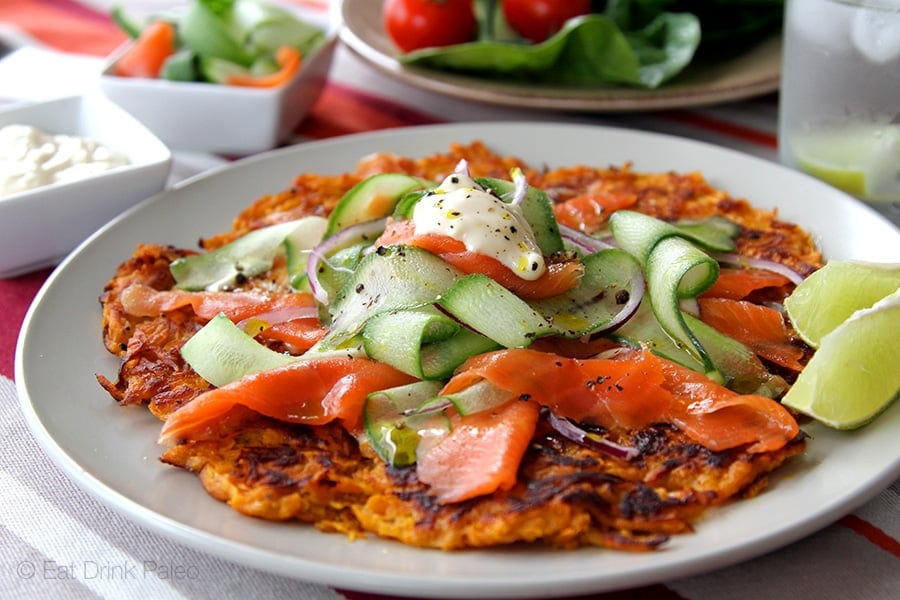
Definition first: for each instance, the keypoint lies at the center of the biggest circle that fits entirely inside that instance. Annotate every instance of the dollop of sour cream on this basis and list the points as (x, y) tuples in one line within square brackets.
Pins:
[(31, 158), (460, 208)]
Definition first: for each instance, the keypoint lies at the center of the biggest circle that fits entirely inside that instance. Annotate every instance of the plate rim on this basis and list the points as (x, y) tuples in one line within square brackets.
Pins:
[(362, 579), (607, 100)]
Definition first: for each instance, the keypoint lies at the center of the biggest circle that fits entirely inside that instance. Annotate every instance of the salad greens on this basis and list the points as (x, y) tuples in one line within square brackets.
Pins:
[(639, 43), (219, 38), (728, 26)]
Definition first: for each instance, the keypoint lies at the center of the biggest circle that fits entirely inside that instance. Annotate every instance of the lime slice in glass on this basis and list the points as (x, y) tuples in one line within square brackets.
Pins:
[(854, 376), (829, 296), (863, 160)]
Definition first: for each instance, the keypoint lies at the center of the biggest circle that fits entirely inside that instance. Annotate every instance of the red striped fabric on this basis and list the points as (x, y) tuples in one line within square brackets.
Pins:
[(650, 592), (343, 110), (64, 24), (735, 130), (871, 533), (15, 296)]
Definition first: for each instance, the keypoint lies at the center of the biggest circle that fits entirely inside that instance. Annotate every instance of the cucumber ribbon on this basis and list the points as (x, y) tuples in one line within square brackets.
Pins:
[(676, 268), (251, 254), (221, 352)]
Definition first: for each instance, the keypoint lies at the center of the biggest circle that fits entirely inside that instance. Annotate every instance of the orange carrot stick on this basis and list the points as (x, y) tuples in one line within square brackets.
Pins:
[(288, 60), (146, 55)]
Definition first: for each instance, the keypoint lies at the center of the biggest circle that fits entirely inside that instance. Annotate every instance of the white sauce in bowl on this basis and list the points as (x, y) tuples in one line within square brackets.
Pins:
[(31, 158)]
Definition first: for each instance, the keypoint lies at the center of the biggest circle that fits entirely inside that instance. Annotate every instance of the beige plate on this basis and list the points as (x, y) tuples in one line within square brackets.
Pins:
[(753, 73)]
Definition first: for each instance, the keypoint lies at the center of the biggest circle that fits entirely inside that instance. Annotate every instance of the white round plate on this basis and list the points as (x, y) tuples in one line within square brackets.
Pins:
[(752, 73), (111, 452)]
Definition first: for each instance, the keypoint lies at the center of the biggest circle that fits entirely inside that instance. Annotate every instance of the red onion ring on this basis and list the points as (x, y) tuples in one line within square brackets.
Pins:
[(368, 230), (521, 186), (759, 263), (690, 306), (571, 431), (583, 241), (635, 295), (589, 245), (428, 409)]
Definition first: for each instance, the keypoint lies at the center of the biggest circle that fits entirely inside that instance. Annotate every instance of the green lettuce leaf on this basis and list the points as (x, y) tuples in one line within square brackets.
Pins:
[(729, 26), (639, 43), (591, 50)]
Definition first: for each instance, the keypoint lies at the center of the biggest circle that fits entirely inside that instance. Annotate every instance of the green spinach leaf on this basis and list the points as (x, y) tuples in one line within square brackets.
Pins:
[(640, 43), (589, 50)]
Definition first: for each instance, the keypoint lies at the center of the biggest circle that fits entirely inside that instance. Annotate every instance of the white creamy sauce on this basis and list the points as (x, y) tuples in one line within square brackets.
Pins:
[(31, 158), (460, 208)]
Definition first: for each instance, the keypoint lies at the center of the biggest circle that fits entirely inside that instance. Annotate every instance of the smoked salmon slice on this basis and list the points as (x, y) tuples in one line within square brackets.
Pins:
[(607, 391), (760, 328), (143, 301), (737, 284), (635, 390), (560, 277), (589, 212), (721, 419), (311, 392), (300, 334), (481, 454)]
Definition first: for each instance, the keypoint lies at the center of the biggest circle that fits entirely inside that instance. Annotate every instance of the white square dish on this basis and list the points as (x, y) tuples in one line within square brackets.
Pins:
[(40, 226), (218, 118)]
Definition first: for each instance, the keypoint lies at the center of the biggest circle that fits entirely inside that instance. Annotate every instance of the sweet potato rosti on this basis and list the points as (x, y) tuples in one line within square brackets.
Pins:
[(565, 493)]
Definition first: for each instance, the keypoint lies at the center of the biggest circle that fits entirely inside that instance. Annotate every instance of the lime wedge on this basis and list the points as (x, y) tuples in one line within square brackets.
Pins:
[(829, 296), (863, 160), (853, 377)]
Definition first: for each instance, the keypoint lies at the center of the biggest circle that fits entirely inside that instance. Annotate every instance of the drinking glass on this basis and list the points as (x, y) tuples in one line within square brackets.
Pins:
[(839, 115)]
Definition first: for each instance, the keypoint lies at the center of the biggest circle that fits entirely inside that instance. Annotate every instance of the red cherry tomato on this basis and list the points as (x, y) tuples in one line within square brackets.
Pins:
[(536, 20), (414, 24)]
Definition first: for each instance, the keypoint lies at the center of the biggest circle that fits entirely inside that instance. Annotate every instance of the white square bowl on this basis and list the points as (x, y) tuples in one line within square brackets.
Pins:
[(40, 226), (222, 119)]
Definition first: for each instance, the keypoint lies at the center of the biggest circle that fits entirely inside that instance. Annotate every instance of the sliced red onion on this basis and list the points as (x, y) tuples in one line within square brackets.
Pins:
[(360, 232), (462, 167), (635, 295), (590, 245), (521, 186), (583, 241), (429, 408), (760, 263), (615, 352), (690, 305), (571, 431)]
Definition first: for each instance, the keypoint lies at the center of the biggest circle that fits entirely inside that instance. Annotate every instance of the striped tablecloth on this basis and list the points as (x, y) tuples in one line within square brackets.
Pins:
[(56, 541)]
